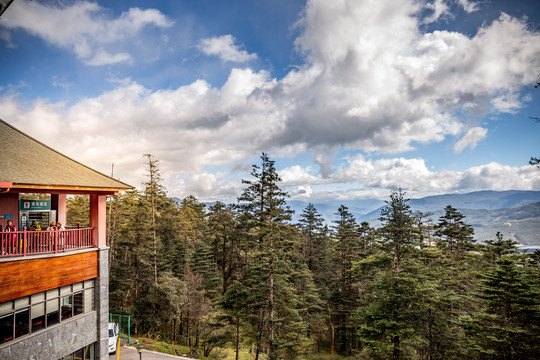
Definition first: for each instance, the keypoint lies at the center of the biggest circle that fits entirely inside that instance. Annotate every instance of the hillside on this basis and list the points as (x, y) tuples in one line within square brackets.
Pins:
[(516, 214)]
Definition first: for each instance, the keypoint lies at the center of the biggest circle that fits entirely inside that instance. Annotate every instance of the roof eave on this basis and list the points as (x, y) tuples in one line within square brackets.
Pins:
[(66, 189)]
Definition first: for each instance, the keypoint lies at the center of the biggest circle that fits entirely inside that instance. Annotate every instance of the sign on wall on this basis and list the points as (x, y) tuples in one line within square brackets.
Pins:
[(34, 205)]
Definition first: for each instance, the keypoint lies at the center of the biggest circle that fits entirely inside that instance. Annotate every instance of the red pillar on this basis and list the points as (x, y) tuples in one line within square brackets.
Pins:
[(98, 207), (58, 203)]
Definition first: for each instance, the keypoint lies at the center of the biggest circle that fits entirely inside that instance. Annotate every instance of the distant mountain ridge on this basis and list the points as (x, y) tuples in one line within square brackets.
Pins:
[(478, 200), (515, 213)]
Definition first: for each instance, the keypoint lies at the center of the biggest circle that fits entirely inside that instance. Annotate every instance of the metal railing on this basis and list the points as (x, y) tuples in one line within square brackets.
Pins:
[(22, 243)]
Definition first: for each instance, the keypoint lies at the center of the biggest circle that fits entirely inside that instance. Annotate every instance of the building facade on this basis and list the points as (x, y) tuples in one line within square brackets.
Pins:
[(54, 288)]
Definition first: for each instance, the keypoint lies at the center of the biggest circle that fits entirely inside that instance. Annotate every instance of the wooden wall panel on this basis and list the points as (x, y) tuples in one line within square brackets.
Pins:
[(9, 204), (27, 277)]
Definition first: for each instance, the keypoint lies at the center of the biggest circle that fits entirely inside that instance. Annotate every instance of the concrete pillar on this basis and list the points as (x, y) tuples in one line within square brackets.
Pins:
[(102, 305)]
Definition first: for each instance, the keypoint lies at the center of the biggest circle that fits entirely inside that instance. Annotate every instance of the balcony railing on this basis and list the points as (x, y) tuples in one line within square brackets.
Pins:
[(22, 243)]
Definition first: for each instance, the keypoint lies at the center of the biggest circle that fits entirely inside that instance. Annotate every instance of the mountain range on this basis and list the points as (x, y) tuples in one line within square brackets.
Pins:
[(514, 213)]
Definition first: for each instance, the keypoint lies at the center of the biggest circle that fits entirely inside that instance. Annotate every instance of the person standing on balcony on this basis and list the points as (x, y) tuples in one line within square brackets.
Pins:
[(11, 228), (35, 226), (52, 227)]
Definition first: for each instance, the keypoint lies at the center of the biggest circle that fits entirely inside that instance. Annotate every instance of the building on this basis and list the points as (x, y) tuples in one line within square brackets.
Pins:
[(54, 287)]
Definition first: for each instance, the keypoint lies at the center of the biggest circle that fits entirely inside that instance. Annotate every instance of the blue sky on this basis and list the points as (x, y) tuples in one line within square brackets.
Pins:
[(352, 98)]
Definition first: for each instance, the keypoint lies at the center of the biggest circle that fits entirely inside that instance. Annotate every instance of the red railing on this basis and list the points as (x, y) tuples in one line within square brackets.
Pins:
[(22, 243)]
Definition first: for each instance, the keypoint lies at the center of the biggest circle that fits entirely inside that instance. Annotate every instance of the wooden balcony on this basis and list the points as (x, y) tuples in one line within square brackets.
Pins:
[(23, 243)]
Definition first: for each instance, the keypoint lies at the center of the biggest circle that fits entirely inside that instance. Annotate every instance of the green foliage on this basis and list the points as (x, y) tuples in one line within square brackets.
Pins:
[(509, 325), (243, 282), (456, 237), (78, 210)]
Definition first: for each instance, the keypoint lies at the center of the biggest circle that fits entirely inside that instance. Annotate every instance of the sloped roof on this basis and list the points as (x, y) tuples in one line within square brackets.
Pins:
[(4, 4), (27, 163)]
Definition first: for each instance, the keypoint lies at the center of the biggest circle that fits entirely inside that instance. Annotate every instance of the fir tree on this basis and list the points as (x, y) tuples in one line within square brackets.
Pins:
[(510, 324), (456, 237)]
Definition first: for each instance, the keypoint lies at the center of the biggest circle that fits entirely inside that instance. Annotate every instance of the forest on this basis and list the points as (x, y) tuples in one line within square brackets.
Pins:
[(244, 275)]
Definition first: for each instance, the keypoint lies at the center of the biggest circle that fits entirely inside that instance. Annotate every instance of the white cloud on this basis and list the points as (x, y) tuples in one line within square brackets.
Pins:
[(371, 82), (83, 28), (469, 6), (225, 48), (470, 139), (438, 8), (413, 176), (506, 103)]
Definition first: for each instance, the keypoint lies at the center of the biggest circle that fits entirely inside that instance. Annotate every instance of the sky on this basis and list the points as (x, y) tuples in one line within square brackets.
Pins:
[(353, 99)]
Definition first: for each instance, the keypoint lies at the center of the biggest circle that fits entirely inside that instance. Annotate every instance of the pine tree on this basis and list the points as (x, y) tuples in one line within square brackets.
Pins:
[(152, 188), (456, 236), (495, 249), (265, 217), (390, 309), (224, 240), (343, 300), (510, 324), (77, 211)]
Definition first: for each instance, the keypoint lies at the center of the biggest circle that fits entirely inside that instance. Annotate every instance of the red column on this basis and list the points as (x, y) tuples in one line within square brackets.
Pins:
[(98, 207), (58, 203)]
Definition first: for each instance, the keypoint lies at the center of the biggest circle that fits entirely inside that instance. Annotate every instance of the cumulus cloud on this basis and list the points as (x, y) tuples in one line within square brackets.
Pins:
[(413, 176), (225, 48), (470, 139), (372, 82), (83, 27), (469, 6), (438, 8), (375, 82)]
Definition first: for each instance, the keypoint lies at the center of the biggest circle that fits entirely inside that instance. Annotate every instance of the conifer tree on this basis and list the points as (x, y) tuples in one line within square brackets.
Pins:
[(343, 300), (456, 237), (224, 240), (510, 324), (495, 249), (389, 313), (77, 211), (266, 214)]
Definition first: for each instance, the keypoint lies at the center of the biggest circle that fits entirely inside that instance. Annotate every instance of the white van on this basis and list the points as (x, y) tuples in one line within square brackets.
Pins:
[(113, 337)]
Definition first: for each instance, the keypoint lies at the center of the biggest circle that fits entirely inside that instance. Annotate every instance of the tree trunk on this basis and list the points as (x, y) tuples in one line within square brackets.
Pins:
[(271, 296), (332, 334), (197, 334), (188, 335), (259, 336), (174, 330), (237, 347)]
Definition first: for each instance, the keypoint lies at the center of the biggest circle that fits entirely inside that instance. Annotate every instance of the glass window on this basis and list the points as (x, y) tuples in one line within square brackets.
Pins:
[(6, 328), (22, 302), (64, 290), (52, 312), (6, 306), (78, 304), (38, 297), (89, 352), (77, 287), (22, 322), (67, 307), (89, 300), (78, 355), (38, 316), (51, 294)]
